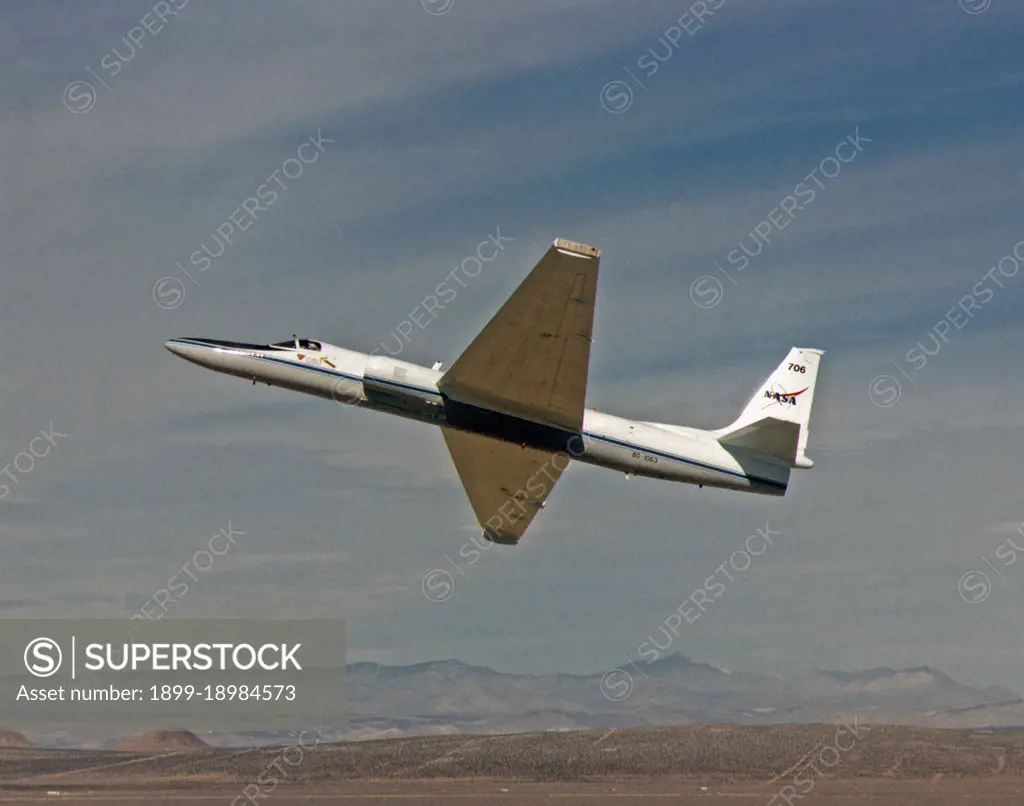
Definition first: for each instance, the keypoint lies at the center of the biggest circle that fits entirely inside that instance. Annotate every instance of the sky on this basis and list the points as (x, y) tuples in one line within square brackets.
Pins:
[(665, 135)]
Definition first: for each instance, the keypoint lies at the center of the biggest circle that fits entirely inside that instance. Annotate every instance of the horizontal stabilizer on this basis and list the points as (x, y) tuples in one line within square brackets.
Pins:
[(772, 437)]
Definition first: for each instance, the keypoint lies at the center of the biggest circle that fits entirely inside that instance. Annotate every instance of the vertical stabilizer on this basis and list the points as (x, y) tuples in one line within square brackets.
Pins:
[(784, 398)]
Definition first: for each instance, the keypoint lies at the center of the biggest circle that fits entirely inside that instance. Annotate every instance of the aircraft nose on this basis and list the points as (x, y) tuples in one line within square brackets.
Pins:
[(221, 356), (176, 347), (189, 349)]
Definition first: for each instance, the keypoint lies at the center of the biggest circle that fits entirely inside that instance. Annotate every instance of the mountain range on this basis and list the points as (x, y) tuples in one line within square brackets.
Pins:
[(449, 696)]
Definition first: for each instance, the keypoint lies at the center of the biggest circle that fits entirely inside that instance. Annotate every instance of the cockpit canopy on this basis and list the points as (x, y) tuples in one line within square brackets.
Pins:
[(298, 344)]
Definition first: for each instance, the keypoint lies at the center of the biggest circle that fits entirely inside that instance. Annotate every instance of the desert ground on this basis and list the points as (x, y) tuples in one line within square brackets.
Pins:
[(810, 764)]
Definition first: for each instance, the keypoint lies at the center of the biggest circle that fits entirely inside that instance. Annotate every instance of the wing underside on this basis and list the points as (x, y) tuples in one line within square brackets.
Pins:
[(531, 359), (507, 484)]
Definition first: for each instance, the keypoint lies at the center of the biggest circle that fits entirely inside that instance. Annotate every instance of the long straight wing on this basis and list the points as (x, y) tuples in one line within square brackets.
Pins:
[(507, 484), (531, 359)]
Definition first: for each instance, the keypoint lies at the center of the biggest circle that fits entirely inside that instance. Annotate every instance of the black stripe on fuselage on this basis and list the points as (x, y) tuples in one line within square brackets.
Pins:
[(230, 345), (511, 429), (777, 485)]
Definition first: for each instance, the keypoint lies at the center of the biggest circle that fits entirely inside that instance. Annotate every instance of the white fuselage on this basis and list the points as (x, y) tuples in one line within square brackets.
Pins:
[(670, 452)]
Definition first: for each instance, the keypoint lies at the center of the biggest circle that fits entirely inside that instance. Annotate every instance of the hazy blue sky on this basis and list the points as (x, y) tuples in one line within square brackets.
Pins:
[(664, 135)]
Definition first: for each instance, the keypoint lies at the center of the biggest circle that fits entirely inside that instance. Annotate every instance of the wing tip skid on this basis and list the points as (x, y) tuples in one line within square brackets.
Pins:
[(575, 248)]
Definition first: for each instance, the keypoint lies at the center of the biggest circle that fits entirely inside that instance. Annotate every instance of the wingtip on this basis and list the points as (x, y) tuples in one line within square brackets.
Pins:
[(502, 539), (576, 248)]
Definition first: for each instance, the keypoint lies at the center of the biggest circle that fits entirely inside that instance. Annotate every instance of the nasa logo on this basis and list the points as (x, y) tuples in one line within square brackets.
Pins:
[(783, 398)]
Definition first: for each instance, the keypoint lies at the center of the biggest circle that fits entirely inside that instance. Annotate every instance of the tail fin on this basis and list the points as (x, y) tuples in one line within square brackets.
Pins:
[(776, 420)]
